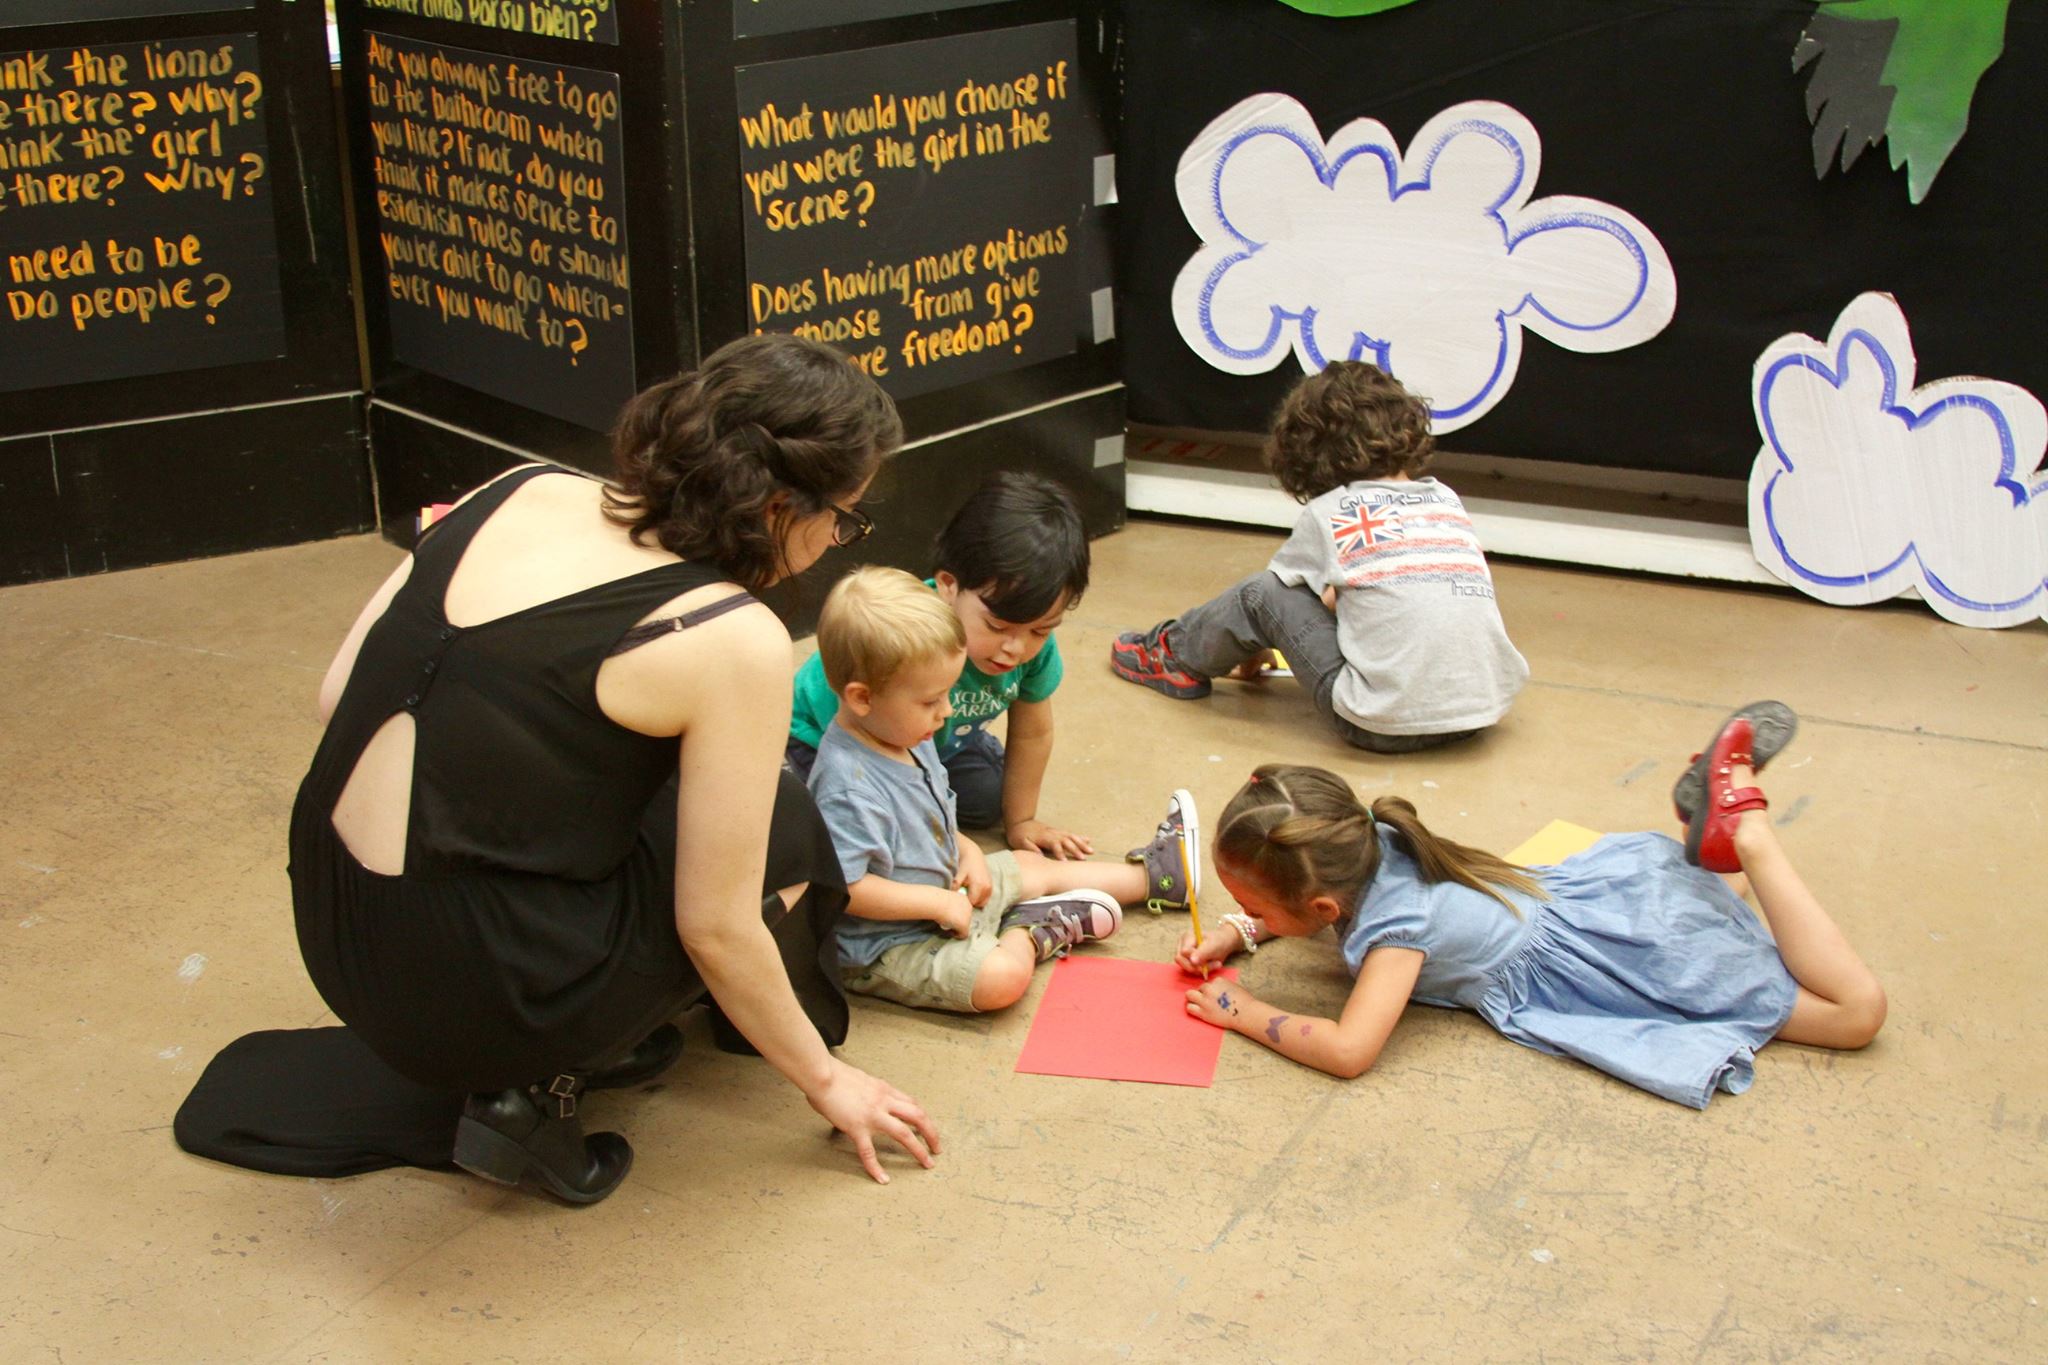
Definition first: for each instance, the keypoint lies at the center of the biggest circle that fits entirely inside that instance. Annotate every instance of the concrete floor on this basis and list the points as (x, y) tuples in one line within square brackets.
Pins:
[(1466, 1200)]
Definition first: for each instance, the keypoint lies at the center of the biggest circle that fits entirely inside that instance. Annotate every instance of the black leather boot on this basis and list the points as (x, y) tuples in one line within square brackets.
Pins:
[(656, 1053), (532, 1133)]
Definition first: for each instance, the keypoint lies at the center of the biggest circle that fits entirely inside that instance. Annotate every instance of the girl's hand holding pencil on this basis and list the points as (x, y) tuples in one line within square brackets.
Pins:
[(1212, 950)]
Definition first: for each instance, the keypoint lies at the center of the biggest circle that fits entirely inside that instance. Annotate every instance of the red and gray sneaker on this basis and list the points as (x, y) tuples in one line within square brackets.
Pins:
[(1173, 860), (1058, 923), (1145, 658)]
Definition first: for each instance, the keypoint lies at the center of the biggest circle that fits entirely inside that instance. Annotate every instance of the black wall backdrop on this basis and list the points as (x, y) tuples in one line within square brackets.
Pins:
[(1686, 113), (185, 382)]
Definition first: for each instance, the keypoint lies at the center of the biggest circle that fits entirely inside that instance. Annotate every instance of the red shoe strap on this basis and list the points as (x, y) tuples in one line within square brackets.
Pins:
[(1736, 800)]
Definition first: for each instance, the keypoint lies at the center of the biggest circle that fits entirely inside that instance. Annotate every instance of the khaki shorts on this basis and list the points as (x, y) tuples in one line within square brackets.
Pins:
[(937, 972)]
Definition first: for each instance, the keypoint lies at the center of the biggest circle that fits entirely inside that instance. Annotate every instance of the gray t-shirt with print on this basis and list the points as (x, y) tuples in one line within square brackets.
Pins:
[(1424, 648), (888, 819)]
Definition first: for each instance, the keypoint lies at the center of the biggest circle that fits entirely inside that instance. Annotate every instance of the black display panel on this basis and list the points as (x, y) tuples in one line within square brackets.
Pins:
[(753, 17), (80, 11), (499, 186), (579, 21), (136, 224), (1689, 116), (920, 205)]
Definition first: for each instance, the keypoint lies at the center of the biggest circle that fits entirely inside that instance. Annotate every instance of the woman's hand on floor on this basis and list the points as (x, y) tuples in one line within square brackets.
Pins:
[(863, 1106), (1036, 836)]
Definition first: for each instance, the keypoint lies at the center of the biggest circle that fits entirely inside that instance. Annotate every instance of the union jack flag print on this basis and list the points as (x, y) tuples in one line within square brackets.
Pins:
[(1359, 530)]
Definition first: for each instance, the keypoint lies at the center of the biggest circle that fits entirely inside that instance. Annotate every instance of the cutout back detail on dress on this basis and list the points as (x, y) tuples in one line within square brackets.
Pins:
[(446, 747)]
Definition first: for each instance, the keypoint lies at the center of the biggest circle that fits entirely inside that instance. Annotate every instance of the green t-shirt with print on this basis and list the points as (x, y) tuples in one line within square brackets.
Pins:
[(978, 697)]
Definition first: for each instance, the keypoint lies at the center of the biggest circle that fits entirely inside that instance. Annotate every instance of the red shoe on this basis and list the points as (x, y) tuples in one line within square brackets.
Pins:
[(1710, 834), (1146, 659), (1771, 727)]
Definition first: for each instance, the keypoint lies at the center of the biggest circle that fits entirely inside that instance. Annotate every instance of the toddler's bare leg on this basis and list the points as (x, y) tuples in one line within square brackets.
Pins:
[(1043, 876), (1005, 974)]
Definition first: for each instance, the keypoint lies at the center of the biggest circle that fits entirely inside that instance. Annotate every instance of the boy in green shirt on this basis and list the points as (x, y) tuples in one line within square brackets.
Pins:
[(1011, 562)]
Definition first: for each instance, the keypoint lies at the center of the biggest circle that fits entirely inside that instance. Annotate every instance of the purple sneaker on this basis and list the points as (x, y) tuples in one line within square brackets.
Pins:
[(1173, 860), (1058, 923)]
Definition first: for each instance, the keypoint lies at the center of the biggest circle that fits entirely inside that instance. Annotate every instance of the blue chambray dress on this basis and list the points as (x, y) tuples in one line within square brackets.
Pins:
[(1639, 964)]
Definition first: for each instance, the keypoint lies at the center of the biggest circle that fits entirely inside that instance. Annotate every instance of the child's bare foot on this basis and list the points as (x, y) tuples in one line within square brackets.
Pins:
[(1738, 882), (1750, 824), (1255, 668)]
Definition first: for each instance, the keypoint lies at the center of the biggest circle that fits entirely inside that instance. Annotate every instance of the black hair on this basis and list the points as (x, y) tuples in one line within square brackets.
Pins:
[(1018, 544)]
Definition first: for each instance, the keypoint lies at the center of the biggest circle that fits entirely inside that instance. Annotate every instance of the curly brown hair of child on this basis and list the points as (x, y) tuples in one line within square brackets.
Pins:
[(1352, 421)]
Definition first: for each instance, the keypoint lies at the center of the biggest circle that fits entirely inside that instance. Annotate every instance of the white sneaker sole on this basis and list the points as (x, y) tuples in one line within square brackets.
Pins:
[(1191, 837)]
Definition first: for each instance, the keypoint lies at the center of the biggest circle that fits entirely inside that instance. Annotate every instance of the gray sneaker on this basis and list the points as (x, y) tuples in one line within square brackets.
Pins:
[(1058, 923), (1173, 860)]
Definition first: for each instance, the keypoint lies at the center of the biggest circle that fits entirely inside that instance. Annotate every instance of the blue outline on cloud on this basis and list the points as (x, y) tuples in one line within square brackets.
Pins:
[(1430, 264), (1867, 486)]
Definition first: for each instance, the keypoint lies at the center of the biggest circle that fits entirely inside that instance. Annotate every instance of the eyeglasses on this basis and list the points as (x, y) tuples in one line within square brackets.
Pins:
[(850, 525)]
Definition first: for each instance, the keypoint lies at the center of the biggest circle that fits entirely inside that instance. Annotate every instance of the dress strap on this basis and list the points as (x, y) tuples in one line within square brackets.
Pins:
[(669, 625), (439, 548)]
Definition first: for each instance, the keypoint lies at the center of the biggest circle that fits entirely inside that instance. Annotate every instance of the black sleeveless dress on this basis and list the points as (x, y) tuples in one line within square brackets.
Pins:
[(533, 929)]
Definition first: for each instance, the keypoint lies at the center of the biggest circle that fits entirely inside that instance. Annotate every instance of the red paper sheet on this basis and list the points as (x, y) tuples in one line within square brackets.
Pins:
[(1116, 1020)]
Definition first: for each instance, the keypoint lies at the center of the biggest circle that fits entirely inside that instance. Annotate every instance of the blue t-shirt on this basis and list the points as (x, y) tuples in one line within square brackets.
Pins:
[(887, 819), (978, 697)]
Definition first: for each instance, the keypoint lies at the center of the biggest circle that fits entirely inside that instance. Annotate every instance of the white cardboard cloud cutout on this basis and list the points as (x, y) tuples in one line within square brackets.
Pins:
[(1430, 265), (1867, 486)]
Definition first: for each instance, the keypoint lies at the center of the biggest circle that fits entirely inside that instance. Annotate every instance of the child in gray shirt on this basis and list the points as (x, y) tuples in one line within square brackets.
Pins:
[(931, 920), (1380, 599)]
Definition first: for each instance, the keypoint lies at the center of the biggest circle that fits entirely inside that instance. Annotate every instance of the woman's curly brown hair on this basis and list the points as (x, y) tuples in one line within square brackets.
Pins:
[(699, 457), (1351, 421)]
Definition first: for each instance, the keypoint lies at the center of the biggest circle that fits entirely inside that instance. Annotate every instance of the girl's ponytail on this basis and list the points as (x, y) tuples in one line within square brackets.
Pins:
[(1300, 832), (1443, 860)]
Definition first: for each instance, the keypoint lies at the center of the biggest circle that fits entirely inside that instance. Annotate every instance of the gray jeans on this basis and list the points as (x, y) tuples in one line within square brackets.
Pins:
[(1263, 613)]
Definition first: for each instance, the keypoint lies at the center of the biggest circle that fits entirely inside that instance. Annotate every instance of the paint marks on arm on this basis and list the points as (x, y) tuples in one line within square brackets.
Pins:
[(1273, 1026)]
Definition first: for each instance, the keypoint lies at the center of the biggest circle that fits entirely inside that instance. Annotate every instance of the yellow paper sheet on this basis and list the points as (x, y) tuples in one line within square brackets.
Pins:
[(1553, 843)]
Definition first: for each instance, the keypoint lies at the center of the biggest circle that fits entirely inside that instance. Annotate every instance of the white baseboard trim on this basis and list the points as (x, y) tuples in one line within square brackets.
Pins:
[(1567, 535)]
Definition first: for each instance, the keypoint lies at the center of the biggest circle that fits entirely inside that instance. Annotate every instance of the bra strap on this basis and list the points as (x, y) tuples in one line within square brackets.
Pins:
[(669, 625)]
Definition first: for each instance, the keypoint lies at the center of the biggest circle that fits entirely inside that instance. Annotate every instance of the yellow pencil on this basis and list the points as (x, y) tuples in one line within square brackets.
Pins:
[(1194, 912)]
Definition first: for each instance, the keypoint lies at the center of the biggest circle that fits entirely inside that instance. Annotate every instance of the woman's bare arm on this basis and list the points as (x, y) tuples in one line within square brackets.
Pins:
[(736, 700)]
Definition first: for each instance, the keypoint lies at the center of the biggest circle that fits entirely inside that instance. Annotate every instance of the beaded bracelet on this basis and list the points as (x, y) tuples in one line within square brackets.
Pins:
[(1245, 930)]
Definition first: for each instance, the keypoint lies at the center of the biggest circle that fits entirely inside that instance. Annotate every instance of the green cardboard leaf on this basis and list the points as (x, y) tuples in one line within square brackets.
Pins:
[(1939, 50), (1344, 9)]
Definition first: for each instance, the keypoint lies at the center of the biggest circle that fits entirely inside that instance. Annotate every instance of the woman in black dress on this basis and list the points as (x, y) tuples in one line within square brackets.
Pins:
[(549, 798)]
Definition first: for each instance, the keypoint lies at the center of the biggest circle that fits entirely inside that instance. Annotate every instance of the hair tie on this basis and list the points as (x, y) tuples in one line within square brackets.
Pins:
[(1256, 779)]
